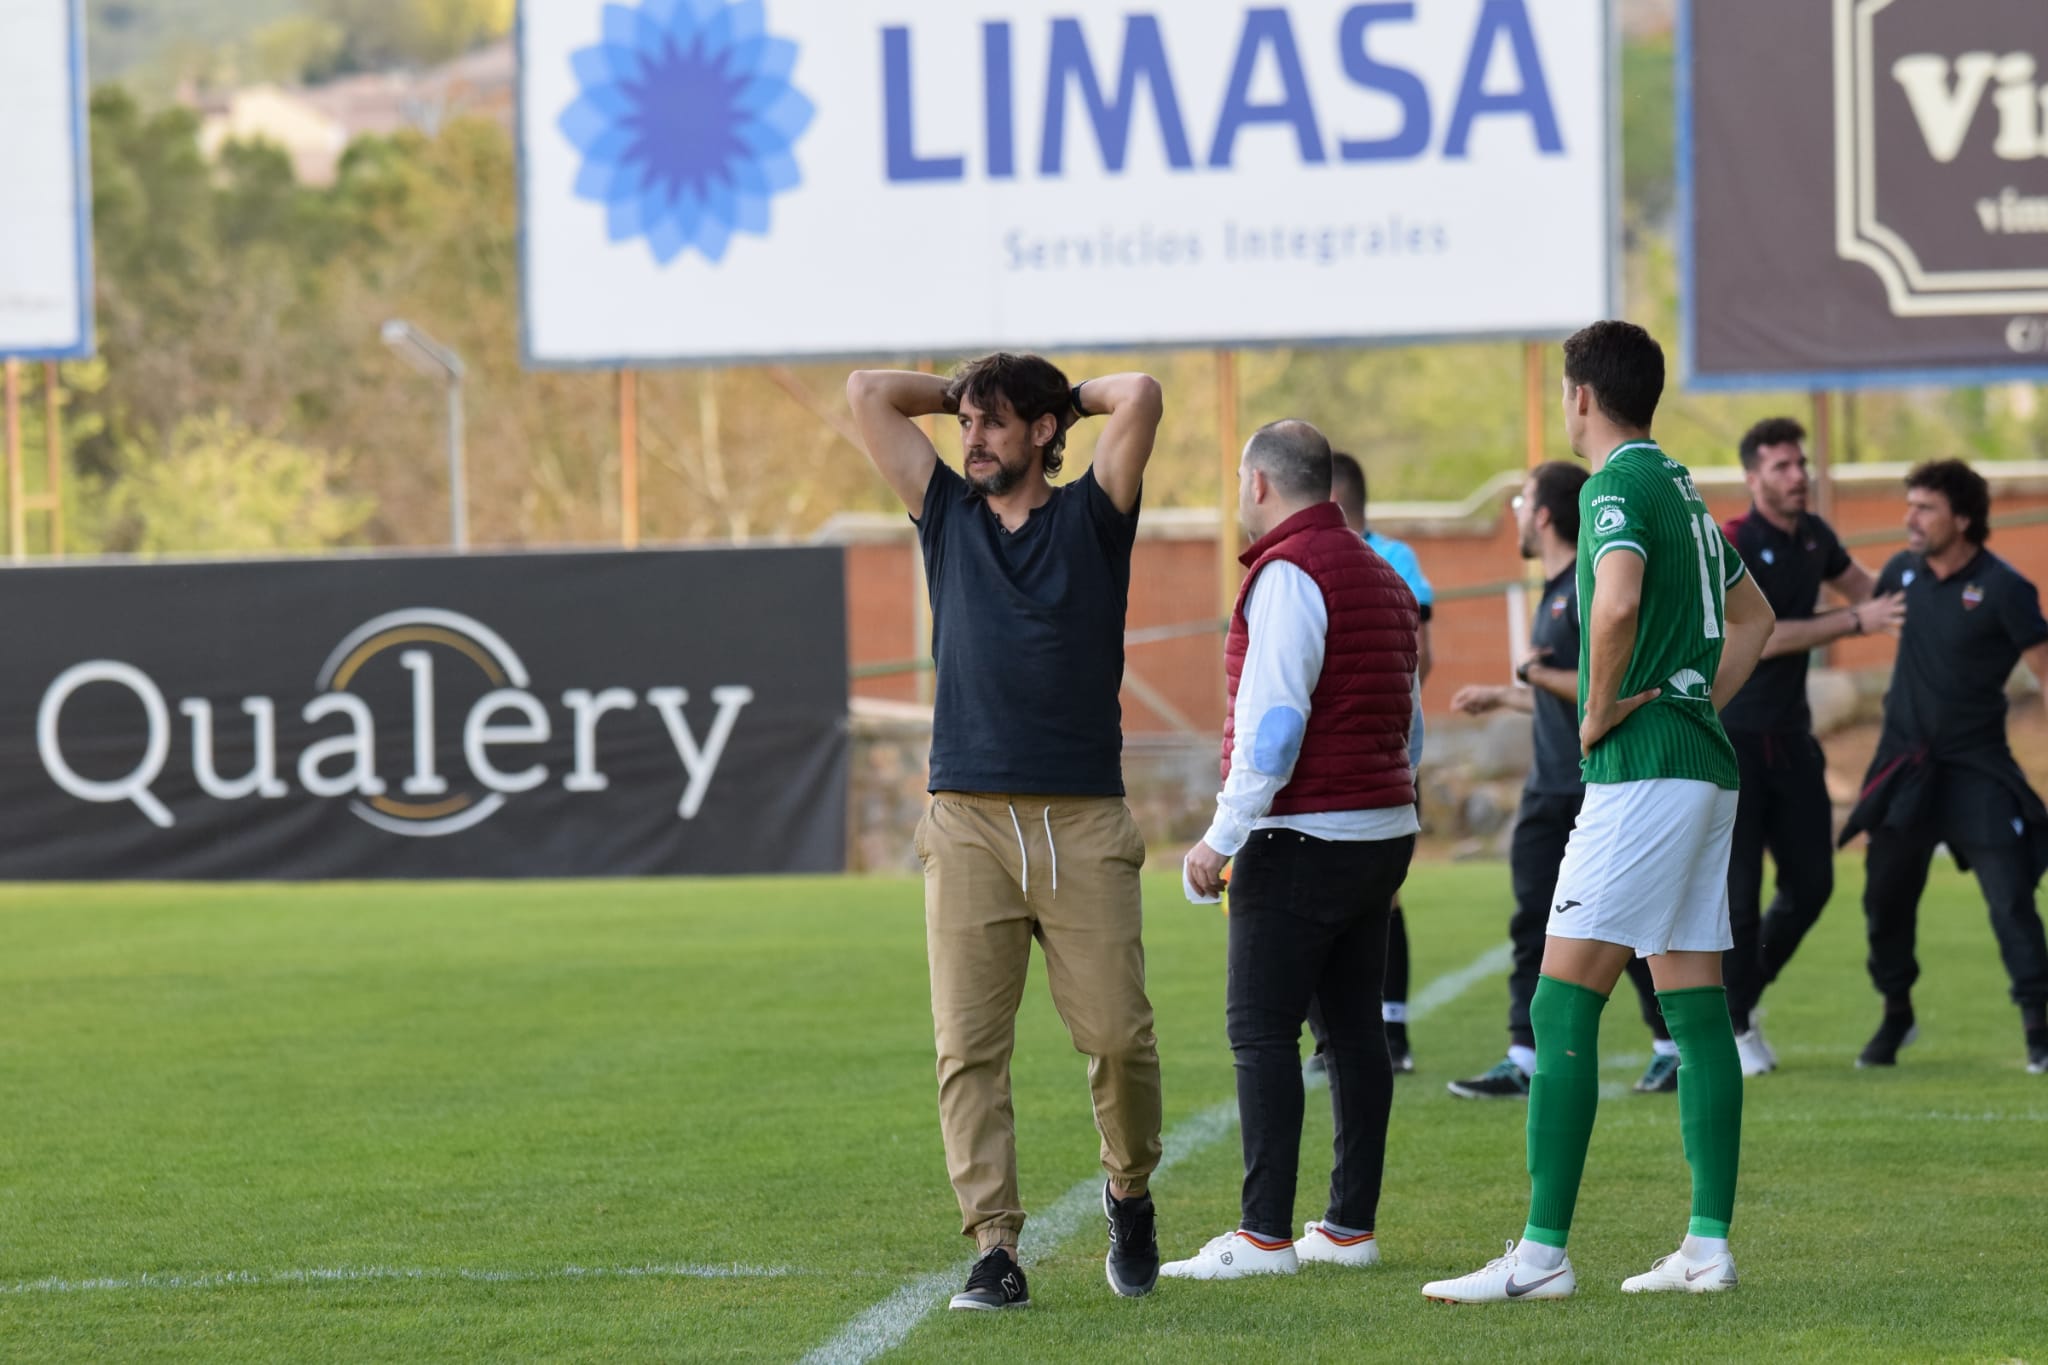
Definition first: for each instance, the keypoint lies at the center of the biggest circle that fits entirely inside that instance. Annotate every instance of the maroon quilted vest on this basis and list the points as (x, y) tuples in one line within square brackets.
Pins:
[(1354, 755)]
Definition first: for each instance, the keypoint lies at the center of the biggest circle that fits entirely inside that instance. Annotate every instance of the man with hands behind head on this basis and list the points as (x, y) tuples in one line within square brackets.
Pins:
[(1027, 836)]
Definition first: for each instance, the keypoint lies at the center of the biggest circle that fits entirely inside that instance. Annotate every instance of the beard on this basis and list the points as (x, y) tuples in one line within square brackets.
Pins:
[(1003, 481)]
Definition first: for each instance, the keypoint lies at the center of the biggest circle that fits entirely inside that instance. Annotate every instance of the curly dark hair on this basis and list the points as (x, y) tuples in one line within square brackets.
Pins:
[(1625, 367), (1772, 431), (1034, 387), (1967, 493)]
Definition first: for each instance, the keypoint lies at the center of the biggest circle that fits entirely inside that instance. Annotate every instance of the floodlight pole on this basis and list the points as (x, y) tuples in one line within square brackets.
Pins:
[(429, 356)]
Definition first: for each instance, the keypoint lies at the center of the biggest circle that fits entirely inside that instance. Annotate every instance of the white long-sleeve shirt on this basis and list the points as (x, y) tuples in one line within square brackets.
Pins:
[(1283, 662)]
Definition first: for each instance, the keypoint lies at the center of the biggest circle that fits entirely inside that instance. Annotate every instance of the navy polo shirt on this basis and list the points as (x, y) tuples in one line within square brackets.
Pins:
[(1027, 639)]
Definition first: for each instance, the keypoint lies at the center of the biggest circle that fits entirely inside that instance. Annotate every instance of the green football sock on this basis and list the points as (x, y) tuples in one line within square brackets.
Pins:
[(1564, 1094), (1709, 1101)]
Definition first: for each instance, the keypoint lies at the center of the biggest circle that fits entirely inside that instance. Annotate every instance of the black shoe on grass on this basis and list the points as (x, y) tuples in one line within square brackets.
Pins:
[(1505, 1082), (1133, 1260), (1894, 1031), (1397, 1049), (996, 1281), (1660, 1077)]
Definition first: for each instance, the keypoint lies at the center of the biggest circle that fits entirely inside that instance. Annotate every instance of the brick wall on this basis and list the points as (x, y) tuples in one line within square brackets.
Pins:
[(1174, 581)]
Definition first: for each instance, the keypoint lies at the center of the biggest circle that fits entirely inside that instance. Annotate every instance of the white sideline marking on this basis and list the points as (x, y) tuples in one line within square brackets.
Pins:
[(885, 1326), (358, 1274)]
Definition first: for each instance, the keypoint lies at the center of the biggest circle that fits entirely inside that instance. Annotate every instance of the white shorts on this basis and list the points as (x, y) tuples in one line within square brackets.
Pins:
[(1647, 867)]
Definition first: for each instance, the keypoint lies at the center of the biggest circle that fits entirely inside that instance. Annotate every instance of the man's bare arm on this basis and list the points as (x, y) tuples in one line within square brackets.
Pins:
[(1853, 584), (1611, 634), (1479, 699), (1865, 618), (2036, 660), (1749, 623), (885, 404), (1562, 683), (1133, 403)]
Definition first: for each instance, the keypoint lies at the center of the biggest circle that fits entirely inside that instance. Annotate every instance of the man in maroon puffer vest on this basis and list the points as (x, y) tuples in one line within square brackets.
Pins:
[(1318, 809)]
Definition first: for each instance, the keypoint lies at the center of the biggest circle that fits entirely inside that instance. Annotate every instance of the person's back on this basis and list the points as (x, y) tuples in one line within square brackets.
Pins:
[(1645, 501)]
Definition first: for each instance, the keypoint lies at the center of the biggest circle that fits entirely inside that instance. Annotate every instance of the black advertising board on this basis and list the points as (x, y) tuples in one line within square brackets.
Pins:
[(471, 716), (1864, 192)]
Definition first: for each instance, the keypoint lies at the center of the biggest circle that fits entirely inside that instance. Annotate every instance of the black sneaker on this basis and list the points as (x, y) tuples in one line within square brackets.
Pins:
[(1397, 1048), (1133, 1260), (1505, 1082), (996, 1281), (1894, 1031), (1660, 1077), (2037, 1051)]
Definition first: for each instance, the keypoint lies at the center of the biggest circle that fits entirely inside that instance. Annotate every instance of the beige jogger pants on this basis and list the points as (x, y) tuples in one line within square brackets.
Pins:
[(1000, 871)]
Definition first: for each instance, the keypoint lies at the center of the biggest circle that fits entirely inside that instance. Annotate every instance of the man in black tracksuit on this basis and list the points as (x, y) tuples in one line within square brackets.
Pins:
[(1944, 772), (1784, 806), (1547, 521)]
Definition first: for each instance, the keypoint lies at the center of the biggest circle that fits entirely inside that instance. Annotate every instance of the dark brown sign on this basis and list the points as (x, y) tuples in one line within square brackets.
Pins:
[(1864, 191)]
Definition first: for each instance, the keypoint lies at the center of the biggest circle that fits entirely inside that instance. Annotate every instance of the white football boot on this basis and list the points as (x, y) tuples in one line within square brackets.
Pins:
[(1319, 1246), (1506, 1280), (1233, 1256), (1679, 1273)]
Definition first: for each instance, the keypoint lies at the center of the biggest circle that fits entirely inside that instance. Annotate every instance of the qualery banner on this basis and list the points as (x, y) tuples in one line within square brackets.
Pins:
[(477, 716)]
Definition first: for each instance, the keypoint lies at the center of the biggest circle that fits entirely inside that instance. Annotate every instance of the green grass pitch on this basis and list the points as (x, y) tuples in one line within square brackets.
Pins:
[(503, 1122)]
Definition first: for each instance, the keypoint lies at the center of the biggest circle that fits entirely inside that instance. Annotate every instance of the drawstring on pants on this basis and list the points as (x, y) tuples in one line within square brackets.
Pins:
[(1024, 853), (1054, 849)]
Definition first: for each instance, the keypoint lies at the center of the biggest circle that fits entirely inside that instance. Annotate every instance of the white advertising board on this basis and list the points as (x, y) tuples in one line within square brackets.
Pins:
[(728, 180), (45, 203)]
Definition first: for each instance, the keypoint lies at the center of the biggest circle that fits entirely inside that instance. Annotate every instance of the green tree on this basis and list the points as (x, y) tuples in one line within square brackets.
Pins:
[(219, 486)]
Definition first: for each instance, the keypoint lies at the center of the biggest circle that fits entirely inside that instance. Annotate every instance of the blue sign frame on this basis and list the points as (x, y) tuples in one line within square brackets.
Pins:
[(81, 161)]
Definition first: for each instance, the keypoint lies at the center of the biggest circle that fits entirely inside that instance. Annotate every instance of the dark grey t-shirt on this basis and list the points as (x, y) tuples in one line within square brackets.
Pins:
[(1028, 639), (1962, 639), (1556, 628)]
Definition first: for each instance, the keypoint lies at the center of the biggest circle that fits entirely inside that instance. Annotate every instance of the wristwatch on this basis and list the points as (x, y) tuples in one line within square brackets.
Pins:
[(1074, 400), (1522, 672)]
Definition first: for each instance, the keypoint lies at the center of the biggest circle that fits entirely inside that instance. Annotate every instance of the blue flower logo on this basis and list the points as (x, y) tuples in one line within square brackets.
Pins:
[(687, 123)]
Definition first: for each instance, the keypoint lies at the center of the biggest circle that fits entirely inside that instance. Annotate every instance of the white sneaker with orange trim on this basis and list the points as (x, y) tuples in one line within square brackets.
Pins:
[(1318, 1245), (1233, 1256)]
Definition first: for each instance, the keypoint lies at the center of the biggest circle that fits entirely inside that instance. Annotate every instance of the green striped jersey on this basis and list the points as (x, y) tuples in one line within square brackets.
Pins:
[(1642, 502)]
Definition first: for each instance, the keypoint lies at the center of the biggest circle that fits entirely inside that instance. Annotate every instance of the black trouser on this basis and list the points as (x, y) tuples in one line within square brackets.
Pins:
[(1895, 873), (1543, 826), (1784, 807), (1308, 919), (1397, 956)]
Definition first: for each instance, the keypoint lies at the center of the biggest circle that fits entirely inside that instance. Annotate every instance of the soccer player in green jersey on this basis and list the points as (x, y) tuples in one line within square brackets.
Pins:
[(1673, 627)]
